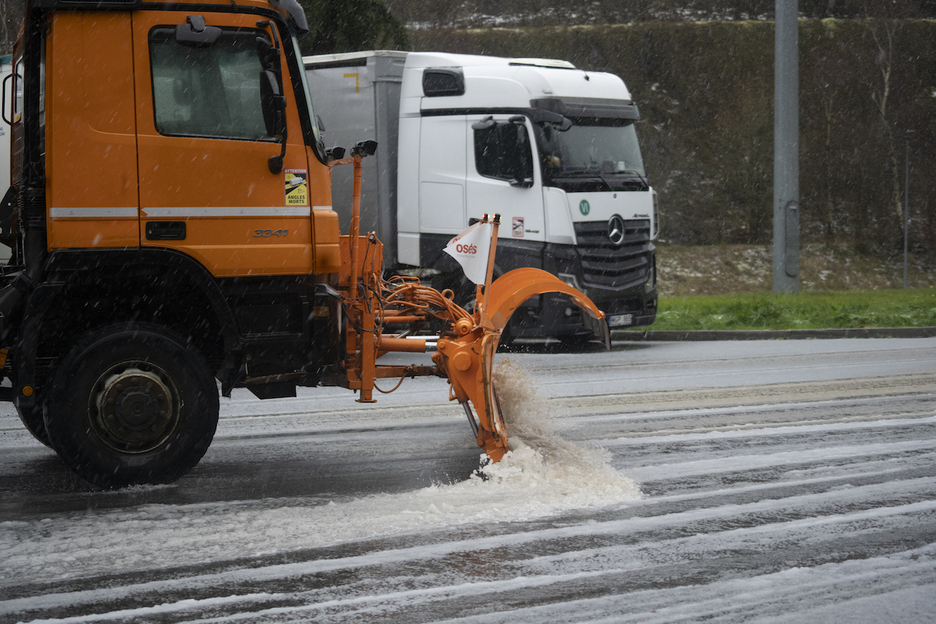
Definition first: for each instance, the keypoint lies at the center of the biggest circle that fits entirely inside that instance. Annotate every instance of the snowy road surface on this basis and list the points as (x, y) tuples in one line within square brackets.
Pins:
[(769, 481)]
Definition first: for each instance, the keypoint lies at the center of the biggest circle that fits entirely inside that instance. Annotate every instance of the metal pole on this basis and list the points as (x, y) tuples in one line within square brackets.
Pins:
[(906, 212), (786, 149)]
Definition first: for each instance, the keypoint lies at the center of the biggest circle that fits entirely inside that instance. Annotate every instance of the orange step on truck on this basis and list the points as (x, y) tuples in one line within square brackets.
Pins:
[(172, 231)]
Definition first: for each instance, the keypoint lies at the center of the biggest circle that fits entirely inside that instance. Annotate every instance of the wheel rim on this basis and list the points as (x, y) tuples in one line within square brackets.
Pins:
[(134, 408)]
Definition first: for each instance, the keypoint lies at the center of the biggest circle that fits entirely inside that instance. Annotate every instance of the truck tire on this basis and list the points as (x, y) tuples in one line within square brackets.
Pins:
[(131, 404), (34, 423)]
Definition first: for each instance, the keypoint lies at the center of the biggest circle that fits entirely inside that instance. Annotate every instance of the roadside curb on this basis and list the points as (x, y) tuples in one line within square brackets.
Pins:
[(769, 334)]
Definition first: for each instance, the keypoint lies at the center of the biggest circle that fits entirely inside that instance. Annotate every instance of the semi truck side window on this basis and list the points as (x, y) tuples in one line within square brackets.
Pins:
[(208, 91), (503, 152)]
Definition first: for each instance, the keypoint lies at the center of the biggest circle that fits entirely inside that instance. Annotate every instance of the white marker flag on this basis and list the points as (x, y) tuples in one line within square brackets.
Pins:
[(471, 249)]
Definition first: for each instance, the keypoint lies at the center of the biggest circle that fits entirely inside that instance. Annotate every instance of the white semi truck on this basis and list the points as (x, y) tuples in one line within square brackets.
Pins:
[(550, 147)]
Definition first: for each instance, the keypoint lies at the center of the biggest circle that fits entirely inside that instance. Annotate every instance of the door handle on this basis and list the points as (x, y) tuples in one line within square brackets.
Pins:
[(165, 230)]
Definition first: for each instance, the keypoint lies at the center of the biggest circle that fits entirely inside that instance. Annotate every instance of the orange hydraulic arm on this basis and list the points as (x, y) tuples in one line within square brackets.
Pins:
[(467, 342)]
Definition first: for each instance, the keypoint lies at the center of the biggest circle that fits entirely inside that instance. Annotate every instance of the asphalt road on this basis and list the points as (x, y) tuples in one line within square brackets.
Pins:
[(746, 481)]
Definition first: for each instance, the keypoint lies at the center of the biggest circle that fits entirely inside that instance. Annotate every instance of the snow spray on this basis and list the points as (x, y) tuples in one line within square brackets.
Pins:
[(540, 457)]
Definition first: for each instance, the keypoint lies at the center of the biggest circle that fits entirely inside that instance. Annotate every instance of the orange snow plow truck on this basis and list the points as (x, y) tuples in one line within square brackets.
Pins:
[(172, 233)]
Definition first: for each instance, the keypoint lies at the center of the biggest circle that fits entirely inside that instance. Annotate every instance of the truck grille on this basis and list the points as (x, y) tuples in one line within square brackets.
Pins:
[(614, 267)]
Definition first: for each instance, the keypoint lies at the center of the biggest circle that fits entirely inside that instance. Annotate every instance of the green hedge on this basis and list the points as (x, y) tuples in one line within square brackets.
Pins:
[(813, 310)]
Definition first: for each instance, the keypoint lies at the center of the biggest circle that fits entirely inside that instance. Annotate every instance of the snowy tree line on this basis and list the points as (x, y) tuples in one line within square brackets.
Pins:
[(491, 13), (705, 92), (705, 89), (335, 26), (358, 24)]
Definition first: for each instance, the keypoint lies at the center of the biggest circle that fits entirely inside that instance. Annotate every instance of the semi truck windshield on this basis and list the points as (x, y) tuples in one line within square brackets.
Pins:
[(604, 150)]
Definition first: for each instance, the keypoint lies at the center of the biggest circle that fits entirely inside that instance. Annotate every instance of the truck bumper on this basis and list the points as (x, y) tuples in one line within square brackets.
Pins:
[(622, 283), (556, 316), (632, 303)]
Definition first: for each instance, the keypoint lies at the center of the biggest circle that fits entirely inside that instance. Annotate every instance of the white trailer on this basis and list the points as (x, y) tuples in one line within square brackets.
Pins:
[(550, 147)]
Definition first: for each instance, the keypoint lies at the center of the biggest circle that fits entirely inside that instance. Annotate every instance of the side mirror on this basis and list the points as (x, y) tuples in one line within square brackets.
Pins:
[(269, 54), (484, 124), (272, 103), (364, 148)]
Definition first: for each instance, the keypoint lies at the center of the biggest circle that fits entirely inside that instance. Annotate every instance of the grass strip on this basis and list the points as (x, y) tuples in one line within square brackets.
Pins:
[(806, 310)]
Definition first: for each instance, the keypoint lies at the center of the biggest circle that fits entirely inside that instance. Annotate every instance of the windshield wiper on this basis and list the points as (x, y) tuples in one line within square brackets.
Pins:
[(638, 174), (605, 180)]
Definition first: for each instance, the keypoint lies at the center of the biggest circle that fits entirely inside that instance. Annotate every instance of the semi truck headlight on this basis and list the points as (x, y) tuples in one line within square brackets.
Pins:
[(651, 280)]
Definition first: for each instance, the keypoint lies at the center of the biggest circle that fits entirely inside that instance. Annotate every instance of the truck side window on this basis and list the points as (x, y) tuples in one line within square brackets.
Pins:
[(503, 152), (207, 91)]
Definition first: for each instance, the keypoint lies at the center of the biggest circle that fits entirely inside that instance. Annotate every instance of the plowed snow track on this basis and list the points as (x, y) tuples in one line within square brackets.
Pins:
[(804, 491)]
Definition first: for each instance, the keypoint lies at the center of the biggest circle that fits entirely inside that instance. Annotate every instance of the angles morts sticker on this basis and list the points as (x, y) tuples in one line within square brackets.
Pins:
[(516, 227), (297, 187)]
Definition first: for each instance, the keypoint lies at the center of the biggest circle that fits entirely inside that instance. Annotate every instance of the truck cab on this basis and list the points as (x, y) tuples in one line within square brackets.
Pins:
[(168, 215), (551, 147)]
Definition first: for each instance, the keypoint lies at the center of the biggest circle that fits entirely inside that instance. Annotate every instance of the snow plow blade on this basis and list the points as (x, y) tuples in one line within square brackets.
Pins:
[(468, 359), (467, 342), (509, 292), (468, 362)]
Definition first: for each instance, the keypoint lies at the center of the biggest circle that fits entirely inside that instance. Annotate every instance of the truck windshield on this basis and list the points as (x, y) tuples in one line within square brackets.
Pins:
[(307, 92), (593, 154)]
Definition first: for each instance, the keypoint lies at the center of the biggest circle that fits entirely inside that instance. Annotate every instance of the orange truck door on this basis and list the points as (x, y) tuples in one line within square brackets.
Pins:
[(90, 132), (205, 185)]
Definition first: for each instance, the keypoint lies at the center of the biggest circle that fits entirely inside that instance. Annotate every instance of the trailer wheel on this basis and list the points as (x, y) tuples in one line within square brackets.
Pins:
[(131, 404)]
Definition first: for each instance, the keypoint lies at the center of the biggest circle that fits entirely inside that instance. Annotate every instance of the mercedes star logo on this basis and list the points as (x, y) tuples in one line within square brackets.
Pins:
[(616, 229)]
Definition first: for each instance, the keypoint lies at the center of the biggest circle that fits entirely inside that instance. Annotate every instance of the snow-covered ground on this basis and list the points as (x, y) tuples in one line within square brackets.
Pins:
[(743, 482)]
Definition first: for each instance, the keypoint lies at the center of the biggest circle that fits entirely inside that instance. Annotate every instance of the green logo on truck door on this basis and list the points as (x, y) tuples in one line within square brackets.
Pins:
[(584, 208)]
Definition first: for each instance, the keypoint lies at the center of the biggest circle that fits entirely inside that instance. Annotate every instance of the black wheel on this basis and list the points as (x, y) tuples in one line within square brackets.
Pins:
[(131, 404), (33, 421)]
